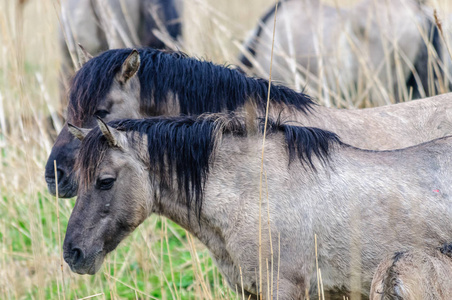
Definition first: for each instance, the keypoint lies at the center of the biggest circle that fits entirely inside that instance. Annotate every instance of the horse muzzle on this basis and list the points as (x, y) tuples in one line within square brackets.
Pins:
[(82, 264), (67, 187)]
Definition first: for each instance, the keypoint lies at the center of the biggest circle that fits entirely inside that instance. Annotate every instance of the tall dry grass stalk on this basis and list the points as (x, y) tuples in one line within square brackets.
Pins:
[(262, 158)]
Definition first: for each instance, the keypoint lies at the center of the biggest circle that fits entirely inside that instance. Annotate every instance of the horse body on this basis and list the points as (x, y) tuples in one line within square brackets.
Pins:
[(173, 84), (386, 127), (361, 207), (381, 41), (361, 204)]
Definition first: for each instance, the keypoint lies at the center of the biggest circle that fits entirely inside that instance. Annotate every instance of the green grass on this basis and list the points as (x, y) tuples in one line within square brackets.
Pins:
[(140, 266)]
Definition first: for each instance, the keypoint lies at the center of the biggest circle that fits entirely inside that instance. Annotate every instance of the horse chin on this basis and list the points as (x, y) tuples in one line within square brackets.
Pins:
[(51, 186), (90, 267), (96, 265)]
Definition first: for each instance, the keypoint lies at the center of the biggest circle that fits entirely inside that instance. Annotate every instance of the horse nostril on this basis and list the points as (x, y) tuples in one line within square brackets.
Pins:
[(77, 254), (50, 176)]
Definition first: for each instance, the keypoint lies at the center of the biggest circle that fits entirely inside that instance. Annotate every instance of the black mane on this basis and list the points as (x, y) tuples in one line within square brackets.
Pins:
[(186, 145), (201, 86), (305, 142)]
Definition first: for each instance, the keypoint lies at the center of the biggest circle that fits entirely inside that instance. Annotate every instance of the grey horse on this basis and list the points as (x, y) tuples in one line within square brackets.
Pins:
[(203, 173), (100, 25)]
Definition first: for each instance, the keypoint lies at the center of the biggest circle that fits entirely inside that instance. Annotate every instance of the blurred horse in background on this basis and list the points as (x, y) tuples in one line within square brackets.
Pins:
[(100, 25), (383, 51)]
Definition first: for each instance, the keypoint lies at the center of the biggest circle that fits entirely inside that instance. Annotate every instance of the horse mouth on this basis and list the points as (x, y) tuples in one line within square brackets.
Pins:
[(90, 265), (67, 190), (90, 271)]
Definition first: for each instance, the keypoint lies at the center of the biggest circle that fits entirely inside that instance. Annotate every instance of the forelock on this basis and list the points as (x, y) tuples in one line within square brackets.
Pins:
[(92, 153), (91, 84)]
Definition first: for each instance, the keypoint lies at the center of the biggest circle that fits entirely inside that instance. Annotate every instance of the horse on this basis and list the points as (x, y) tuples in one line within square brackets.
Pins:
[(415, 274), (331, 49), (100, 25), (203, 173), (124, 83)]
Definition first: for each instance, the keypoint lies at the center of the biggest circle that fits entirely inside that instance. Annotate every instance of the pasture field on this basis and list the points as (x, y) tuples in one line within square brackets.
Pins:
[(160, 260)]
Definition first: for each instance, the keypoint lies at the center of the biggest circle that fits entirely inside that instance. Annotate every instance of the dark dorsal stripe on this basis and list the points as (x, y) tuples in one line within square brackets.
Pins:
[(200, 86), (185, 145)]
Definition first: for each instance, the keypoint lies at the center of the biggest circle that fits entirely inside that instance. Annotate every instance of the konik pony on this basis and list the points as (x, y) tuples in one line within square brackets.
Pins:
[(374, 48), (203, 173), (100, 25)]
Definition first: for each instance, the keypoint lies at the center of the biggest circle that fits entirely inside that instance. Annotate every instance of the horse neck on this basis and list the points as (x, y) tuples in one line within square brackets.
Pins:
[(193, 95), (204, 229), (232, 187), (213, 219), (172, 106)]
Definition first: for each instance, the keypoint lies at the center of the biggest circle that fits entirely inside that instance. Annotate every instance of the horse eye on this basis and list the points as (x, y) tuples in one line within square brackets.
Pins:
[(101, 113), (105, 184)]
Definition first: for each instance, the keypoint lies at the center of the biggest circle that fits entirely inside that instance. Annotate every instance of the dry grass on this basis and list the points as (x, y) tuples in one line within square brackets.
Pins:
[(159, 260)]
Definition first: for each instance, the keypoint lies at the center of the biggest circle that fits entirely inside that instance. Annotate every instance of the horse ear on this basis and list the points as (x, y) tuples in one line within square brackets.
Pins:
[(79, 133), (83, 55), (130, 66), (111, 134)]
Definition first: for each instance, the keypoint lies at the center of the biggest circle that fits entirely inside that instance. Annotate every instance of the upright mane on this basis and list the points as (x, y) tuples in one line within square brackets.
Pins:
[(200, 86), (185, 145)]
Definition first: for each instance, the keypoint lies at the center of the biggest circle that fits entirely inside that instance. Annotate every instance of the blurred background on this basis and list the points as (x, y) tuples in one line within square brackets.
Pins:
[(160, 260)]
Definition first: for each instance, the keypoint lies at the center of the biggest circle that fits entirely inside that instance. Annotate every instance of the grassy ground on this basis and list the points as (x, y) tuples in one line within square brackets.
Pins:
[(159, 260)]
